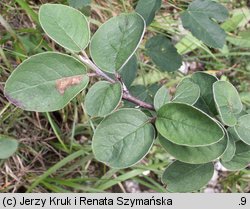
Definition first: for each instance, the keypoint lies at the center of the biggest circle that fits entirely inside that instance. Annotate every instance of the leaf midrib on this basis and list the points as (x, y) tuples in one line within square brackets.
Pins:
[(121, 45), (135, 130), (41, 84), (194, 170), (59, 26), (101, 107)]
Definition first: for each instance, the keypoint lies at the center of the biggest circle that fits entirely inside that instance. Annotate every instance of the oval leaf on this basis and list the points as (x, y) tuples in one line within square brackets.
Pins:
[(46, 82), (187, 92), (185, 125), (161, 97), (8, 146), (230, 149), (83, 5), (123, 138), (206, 101), (182, 177), (231, 131), (199, 19), (227, 101), (242, 128), (147, 9), (116, 41), (163, 53), (241, 158), (194, 155), (79, 3), (65, 25), (129, 71), (103, 98)]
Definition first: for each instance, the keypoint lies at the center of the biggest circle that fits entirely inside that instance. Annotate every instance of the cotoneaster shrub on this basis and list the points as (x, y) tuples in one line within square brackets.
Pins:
[(202, 123)]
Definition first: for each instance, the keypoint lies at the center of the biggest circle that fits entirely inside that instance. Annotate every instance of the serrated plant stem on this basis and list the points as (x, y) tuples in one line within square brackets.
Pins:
[(126, 94)]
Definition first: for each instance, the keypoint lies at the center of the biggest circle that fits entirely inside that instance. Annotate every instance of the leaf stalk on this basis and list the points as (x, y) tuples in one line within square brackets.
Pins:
[(126, 94)]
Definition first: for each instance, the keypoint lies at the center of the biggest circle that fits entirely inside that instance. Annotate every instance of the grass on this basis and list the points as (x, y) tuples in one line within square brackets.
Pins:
[(55, 149)]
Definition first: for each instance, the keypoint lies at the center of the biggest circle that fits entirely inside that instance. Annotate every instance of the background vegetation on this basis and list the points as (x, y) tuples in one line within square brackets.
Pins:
[(55, 154)]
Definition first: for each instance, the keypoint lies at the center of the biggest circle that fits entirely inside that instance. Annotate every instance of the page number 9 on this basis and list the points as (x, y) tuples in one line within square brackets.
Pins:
[(243, 201)]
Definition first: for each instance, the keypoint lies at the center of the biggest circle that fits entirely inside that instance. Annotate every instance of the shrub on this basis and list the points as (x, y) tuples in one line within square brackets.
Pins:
[(203, 122)]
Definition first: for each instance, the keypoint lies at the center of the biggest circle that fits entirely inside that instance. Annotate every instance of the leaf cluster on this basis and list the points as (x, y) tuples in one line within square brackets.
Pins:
[(203, 122)]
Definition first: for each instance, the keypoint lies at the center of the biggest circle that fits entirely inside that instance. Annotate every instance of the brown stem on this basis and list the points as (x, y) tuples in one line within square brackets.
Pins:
[(88, 62), (126, 95)]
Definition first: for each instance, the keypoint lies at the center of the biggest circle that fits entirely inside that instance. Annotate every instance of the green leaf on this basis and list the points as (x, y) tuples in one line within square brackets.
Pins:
[(242, 128), (163, 53), (8, 146), (199, 19), (65, 25), (187, 92), (231, 131), (227, 101), (185, 125), (182, 177), (123, 138), (103, 98), (194, 155), (129, 71), (206, 101), (46, 82), (147, 9), (241, 158), (161, 97), (79, 3), (116, 41), (230, 149), (83, 5)]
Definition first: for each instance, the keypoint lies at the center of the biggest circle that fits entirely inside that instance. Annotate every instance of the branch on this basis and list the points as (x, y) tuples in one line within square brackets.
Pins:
[(88, 62), (126, 95)]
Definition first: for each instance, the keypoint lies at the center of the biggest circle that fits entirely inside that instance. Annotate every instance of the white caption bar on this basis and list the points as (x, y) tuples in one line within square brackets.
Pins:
[(135, 201)]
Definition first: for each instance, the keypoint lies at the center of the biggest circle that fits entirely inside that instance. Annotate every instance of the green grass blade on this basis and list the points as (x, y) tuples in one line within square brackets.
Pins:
[(120, 178), (57, 132), (25, 6), (55, 168)]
